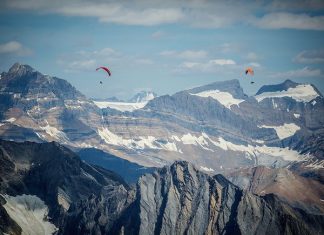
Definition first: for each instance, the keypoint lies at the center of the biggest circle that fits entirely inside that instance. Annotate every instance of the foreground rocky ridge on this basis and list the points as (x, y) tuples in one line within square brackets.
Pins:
[(53, 173), (177, 199)]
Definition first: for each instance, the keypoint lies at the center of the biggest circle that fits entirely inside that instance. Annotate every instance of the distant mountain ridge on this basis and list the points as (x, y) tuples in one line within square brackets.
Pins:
[(231, 86), (140, 97), (143, 96), (217, 127), (278, 87)]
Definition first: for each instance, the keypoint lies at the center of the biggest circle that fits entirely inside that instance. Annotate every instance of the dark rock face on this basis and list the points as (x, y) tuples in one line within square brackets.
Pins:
[(53, 173), (182, 200), (97, 214)]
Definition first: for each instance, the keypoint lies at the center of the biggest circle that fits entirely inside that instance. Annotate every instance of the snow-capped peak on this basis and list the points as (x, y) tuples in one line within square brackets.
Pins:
[(143, 96), (225, 98), (300, 93)]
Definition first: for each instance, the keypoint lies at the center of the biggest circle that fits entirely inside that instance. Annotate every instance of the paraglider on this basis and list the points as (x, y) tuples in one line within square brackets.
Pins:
[(106, 69), (250, 71)]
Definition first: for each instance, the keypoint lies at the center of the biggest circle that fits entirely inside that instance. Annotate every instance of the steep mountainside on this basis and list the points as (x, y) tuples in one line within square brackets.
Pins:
[(179, 199), (298, 191), (53, 174)]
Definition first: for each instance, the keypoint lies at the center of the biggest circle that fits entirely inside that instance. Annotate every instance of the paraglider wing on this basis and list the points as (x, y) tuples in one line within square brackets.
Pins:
[(106, 69), (249, 70)]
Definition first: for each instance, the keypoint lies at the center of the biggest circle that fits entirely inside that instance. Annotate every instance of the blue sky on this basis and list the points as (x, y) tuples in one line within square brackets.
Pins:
[(165, 46)]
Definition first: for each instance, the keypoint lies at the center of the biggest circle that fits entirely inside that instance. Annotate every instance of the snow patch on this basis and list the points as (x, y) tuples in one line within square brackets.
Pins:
[(296, 115), (30, 213), (285, 130), (317, 164), (206, 169), (251, 152), (63, 199), (140, 142), (314, 102), (193, 140), (259, 141), (11, 120), (224, 98), (274, 105), (53, 132), (120, 106), (176, 138), (284, 153), (16, 96), (300, 93)]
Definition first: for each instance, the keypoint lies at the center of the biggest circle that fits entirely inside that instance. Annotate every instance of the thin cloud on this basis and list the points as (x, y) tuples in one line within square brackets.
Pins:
[(252, 56), (310, 57), (230, 47), (89, 60), (201, 14), (284, 20), (222, 62), (144, 61), (158, 34), (208, 66), (81, 65), (254, 64), (303, 72), (15, 48), (106, 12), (187, 54), (297, 5)]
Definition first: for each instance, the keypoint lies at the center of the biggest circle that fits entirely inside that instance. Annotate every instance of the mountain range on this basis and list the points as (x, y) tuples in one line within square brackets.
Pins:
[(156, 168), (217, 126)]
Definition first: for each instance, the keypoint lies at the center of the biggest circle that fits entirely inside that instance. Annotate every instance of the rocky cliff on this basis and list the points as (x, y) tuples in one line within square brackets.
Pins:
[(179, 199)]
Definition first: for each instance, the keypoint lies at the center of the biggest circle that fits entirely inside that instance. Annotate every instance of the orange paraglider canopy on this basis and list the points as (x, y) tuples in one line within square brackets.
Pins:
[(249, 70)]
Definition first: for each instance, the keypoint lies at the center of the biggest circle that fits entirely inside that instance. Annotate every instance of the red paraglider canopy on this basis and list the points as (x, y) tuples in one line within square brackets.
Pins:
[(106, 69)]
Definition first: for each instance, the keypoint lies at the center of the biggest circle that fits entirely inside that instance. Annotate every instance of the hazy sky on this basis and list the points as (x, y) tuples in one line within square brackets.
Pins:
[(164, 46)]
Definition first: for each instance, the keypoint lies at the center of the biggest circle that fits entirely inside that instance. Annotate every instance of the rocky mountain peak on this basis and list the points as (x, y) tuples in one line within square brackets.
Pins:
[(278, 87), (20, 69), (143, 96), (24, 79), (231, 86)]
